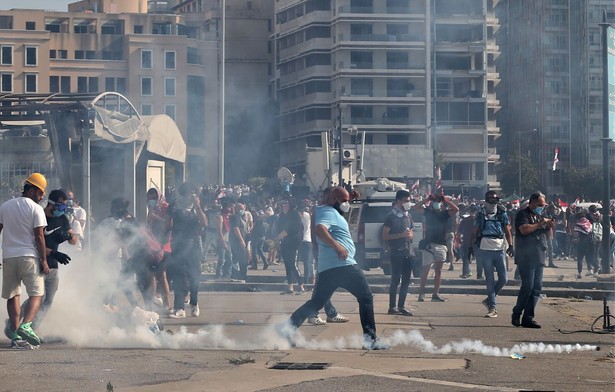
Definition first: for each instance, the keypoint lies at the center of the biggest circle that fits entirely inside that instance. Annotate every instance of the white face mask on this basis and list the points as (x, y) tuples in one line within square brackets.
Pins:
[(407, 206), (345, 206)]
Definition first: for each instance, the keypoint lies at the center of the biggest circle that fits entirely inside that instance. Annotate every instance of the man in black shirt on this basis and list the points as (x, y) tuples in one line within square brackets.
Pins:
[(188, 220), (58, 230), (531, 231), (437, 216), (397, 234), (291, 235)]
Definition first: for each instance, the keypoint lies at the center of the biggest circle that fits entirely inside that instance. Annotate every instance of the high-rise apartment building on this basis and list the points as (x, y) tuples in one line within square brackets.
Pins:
[(417, 73), (552, 83)]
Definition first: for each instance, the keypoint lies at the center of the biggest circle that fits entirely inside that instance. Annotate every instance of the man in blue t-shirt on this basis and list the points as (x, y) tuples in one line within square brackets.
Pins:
[(336, 268), (493, 237)]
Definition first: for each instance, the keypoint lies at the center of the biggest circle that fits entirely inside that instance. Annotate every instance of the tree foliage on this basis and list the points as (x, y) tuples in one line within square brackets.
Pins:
[(508, 175), (586, 182)]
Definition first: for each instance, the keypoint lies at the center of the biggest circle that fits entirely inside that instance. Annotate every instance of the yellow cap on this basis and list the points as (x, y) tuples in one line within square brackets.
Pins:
[(38, 180)]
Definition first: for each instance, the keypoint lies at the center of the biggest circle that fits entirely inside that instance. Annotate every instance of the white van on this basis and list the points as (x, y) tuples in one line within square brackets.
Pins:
[(365, 220)]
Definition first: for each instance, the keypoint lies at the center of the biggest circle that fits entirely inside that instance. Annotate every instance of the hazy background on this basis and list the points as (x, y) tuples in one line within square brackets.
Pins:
[(54, 5)]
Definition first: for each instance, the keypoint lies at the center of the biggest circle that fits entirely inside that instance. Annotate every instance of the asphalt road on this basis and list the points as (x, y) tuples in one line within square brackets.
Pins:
[(232, 344)]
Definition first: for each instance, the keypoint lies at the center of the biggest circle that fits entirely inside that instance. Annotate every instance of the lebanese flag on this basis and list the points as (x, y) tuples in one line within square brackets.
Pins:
[(561, 203), (415, 186), (555, 160)]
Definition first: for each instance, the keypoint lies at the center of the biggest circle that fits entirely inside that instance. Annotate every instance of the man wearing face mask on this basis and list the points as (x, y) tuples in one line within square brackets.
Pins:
[(290, 236), (336, 268), (593, 215), (531, 230), (239, 242), (187, 222), (397, 232), (437, 216), (491, 229), (58, 230)]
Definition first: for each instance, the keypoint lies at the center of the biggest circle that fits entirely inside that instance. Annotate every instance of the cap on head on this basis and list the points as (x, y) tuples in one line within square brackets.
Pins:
[(38, 180)]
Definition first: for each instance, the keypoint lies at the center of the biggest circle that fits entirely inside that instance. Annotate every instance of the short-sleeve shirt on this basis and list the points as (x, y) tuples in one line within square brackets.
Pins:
[(399, 221), (437, 224), (19, 217), (530, 248), (338, 228)]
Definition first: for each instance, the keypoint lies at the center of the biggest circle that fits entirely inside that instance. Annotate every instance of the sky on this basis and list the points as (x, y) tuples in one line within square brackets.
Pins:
[(54, 5)]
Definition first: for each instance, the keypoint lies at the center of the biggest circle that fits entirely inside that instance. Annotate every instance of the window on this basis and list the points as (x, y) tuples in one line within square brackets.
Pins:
[(54, 84), (30, 25), (146, 59), (146, 109), (62, 54), (6, 82), (85, 55), (6, 55), (193, 56), (169, 59), (31, 56), (169, 87), (120, 85), (146, 86), (361, 60), (138, 29), (169, 110), (65, 84), (87, 84), (31, 83), (162, 28), (397, 139), (52, 54), (111, 55)]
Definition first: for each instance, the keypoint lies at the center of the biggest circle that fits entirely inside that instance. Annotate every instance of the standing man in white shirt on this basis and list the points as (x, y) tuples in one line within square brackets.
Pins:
[(22, 220)]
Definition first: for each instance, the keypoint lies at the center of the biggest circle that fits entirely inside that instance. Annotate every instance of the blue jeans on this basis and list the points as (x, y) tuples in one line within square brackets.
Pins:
[(225, 264), (401, 268), (529, 293), (491, 259), (305, 255), (350, 278), (465, 258)]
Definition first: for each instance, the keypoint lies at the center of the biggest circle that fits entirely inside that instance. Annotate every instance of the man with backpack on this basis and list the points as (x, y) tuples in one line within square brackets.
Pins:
[(491, 228), (595, 237)]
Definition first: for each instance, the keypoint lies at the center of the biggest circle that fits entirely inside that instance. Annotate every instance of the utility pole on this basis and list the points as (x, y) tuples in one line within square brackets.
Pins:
[(606, 184), (340, 152)]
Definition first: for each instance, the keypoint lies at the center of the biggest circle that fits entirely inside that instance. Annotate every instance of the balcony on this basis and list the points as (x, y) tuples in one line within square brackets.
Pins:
[(416, 9), (403, 121), (415, 37), (294, 77), (306, 46)]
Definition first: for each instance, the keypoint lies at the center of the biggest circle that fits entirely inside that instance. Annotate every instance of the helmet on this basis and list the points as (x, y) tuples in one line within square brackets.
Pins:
[(38, 180)]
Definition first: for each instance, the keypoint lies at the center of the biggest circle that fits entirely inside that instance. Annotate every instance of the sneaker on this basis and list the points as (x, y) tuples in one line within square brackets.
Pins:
[(393, 311), (485, 304), (27, 333), (479, 277), (515, 320), (492, 313), (158, 301), (530, 324), (466, 276), (339, 319), (20, 344), (589, 272), (421, 298), (579, 276), (405, 312), (437, 298), (180, 313), (287, 292), (195, 311), (316, 321), (451, 268), (300, 292), (375, 345)]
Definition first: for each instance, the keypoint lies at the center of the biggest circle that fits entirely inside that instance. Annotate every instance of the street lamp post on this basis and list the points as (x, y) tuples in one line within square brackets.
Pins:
[(519, 157), (339, 145)]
